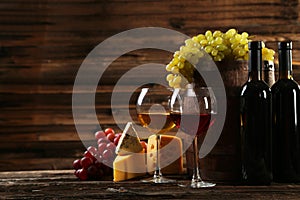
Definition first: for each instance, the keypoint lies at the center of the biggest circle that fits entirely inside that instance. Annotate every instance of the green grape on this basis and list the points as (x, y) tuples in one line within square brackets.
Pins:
[(217, 34), (209, 38), (170, 77), (221, 47), (181, 59), (212, 43), (189, 42), (244, 41), (208, 34), (177, 80), (195, 39), (245, 35), (236, 51), (230, 33), (201, 37), (175, 70), (208, 49), (232, 40), (214, 52), (241, 52), (234, 45), (218, 40), (171, 84), (174, 61), (237, 37), (203, 42), (264, 51), (180, 65), (217, 58), (176, 54), (169, 68)]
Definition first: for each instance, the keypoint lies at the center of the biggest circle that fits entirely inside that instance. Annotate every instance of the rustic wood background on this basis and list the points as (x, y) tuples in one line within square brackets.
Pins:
[(43, 43)]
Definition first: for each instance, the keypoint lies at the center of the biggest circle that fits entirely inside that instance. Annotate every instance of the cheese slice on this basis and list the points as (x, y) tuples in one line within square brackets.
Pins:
[(129, 141), (170, 154), (129, 166)]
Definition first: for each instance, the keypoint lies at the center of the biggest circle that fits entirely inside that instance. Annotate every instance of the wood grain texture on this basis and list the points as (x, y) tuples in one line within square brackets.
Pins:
[(62, 184), (43, 44)]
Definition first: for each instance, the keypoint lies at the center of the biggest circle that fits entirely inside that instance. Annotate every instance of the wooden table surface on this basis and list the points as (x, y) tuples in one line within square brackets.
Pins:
[(62, 184)]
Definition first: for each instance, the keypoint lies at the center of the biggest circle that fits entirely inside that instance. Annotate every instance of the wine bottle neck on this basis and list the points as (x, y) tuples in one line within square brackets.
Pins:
[(285, 64), (255, 64)]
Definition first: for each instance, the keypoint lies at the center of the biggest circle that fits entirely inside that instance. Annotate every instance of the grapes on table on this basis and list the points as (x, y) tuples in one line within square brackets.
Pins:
[(94, 164), (228, 45)]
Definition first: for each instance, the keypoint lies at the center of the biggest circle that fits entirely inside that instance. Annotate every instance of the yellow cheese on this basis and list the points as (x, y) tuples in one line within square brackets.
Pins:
[(129, 166), (129, 141), (170, 154)]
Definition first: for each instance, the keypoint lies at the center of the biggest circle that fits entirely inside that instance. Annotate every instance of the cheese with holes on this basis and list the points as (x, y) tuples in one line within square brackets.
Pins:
[(129, 166), (170, 154), (129, 141)]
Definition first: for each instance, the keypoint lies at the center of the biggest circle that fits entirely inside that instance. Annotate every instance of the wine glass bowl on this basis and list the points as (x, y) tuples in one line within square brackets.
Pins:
[(153, 110)]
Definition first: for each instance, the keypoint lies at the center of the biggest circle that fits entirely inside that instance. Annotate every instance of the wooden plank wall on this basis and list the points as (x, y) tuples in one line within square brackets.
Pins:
[(44, 42)]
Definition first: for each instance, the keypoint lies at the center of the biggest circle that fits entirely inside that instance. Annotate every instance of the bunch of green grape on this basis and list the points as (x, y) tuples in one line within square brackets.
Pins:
[(219, 45)]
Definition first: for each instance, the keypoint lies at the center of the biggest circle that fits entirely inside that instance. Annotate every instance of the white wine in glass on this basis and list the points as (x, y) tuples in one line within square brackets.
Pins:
[(153, 111)]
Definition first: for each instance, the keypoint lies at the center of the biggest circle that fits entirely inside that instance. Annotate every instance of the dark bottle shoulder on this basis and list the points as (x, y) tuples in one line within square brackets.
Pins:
[(285, 85), (255, 87)]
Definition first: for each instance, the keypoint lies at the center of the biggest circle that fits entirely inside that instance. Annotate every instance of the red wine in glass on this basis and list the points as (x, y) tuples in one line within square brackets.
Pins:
[(188, 124)]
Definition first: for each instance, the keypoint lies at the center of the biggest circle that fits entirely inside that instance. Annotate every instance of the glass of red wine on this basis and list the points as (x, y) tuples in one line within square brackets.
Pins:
[(192, 110), (153, 110)]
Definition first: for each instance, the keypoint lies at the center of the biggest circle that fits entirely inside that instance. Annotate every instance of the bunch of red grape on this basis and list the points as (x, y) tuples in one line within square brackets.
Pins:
[(96, 161)]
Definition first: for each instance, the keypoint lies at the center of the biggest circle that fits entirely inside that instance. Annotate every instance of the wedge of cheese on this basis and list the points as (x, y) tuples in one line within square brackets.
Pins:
[(129, 141), (129, 166), (170, 154)]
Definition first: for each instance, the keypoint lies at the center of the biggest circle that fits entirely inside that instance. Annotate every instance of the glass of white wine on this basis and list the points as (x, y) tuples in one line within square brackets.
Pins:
[(154, 114)]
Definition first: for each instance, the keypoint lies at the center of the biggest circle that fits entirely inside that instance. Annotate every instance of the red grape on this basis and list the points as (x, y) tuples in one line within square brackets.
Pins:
[(99, 134), (82, 174), (76, 173), (117, 138), (86, 162), (111, 137), (98, 164), (77, 164), (103, 140), (107, 154), (92, 171), (92, 150), (87, 154), (111, 146), (101, 147), (109, 130)]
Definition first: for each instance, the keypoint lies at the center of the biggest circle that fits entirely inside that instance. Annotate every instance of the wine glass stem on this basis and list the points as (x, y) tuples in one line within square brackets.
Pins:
[(196, 171), (157, 172)]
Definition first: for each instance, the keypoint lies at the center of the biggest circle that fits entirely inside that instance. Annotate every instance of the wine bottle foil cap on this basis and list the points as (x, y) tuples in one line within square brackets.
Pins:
[(285, 45), (255, 45)]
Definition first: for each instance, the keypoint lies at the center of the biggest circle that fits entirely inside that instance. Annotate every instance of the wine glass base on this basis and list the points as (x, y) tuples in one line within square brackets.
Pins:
[(202, 184), (158, 180)]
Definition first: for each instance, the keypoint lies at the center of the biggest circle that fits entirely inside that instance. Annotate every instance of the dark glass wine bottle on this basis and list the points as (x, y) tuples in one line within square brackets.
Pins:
[(255, 110), (286, 120)]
